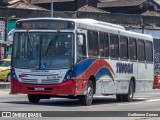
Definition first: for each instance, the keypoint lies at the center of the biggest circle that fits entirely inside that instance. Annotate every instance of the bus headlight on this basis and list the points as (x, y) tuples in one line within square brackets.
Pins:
[(68, 76)]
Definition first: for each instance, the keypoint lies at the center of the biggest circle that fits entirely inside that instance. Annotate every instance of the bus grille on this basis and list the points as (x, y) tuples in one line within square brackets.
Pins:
[(31, 81), (43, 81)]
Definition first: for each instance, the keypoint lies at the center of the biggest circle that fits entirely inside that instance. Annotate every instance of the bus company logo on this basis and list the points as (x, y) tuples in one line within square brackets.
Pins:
[(6, 114), (125, 68)]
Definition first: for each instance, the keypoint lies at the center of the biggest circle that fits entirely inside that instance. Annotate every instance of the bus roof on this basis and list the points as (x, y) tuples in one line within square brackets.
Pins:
[(79, 20), (99, 24)]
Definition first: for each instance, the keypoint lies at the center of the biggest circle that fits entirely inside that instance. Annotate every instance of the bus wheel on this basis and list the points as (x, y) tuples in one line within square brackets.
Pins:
[(33, 98), (8, 78), (119, 97), (87, 99), (129, 97)]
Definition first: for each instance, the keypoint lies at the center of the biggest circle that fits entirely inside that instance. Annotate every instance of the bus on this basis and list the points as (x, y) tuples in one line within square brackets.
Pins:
[(79, 58)]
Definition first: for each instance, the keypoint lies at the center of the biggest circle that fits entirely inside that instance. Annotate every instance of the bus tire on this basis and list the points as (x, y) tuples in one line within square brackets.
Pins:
[(119, 97), (87, 99), (8, 78), (33, 98), (129, 96)]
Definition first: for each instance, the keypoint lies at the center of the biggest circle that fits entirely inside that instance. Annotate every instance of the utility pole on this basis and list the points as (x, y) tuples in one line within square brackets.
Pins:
[(51, 8), (142, 24)]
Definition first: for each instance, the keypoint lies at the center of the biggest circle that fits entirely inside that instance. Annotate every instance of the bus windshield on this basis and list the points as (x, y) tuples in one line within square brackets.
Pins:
[(43, 50)]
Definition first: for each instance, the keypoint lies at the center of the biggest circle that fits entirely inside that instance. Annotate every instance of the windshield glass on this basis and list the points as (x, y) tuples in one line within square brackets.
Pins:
[(42, 50), (5, 63)]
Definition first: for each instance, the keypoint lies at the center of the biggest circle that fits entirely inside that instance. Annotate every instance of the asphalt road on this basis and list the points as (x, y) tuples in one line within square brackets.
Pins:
[(145, 101)]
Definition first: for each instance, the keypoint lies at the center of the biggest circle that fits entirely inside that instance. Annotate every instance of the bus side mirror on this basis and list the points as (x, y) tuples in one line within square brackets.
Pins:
[(10, 37), (80, 39)]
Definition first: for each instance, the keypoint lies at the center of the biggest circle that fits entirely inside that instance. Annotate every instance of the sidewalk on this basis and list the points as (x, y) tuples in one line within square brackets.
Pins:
[(4, 85)]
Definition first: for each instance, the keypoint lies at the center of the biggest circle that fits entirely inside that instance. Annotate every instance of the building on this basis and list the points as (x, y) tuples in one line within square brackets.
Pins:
[(65, 5), (129, 6)]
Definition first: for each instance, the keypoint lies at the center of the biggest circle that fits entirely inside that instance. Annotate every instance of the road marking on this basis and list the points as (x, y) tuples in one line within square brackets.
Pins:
[(153, 100), (4, 92), (129, 103), (145, 100), (142, 98)]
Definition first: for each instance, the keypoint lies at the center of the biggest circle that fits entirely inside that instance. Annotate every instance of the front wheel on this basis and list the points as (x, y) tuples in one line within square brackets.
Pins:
[(33, 98), (87, 99)]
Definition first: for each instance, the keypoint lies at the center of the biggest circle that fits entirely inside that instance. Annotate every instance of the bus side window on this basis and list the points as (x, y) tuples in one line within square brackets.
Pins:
[(123, 47), (141, 50), (93, 43), (81, 49), (104, 44), (114, 46), (149, 51), (132, 49)]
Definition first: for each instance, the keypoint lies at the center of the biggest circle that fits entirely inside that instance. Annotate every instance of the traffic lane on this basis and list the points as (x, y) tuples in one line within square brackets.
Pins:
[(108, 103), (145, 101)]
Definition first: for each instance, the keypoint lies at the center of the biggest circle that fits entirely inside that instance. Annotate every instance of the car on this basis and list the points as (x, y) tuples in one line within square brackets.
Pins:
[(5, 69)]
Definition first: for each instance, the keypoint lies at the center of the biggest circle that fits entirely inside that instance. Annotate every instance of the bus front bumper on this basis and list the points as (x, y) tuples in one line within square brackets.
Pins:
[(63, 89), (69, 88)]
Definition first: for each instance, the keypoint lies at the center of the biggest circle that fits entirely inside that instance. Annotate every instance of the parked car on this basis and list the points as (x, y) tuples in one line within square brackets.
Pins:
[(5, 68)]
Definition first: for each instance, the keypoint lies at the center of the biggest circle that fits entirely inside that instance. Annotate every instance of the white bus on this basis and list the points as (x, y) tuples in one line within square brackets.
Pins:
[(79, 58)]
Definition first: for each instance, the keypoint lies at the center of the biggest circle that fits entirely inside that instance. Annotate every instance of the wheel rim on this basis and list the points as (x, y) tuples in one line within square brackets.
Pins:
[(89, 94)]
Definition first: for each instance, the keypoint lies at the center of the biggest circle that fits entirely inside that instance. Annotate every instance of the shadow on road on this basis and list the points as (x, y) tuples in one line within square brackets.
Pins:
[(64, 102)]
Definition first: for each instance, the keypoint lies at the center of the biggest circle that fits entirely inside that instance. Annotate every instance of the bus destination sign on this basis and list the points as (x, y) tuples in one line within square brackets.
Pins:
[(44, 24)]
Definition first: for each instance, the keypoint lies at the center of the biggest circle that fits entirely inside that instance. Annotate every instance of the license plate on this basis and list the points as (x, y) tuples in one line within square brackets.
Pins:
[(39, 89)]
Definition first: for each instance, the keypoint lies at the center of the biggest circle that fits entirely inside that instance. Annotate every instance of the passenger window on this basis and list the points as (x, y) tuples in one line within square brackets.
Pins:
[(104, 44), (81, 49), (123, 47), (93, 43), (149, 51), (132, 49), (141, 50), (114, 46)]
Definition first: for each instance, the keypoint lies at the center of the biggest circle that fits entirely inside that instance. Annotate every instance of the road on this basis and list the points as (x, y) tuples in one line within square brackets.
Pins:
[(145, 101)]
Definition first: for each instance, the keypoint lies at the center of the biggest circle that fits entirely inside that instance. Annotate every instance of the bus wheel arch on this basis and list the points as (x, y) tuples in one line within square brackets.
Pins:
[(93, 79), (90, 91)]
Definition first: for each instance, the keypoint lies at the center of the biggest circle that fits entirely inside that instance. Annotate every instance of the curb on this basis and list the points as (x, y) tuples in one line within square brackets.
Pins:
[(5, 85)]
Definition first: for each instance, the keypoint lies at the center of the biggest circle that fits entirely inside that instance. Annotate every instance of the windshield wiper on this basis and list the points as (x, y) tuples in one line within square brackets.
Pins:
[(54, 38), (29, 39)]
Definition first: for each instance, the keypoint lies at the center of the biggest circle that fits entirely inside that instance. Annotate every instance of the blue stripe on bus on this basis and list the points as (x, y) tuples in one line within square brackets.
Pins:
[(103, 72)]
